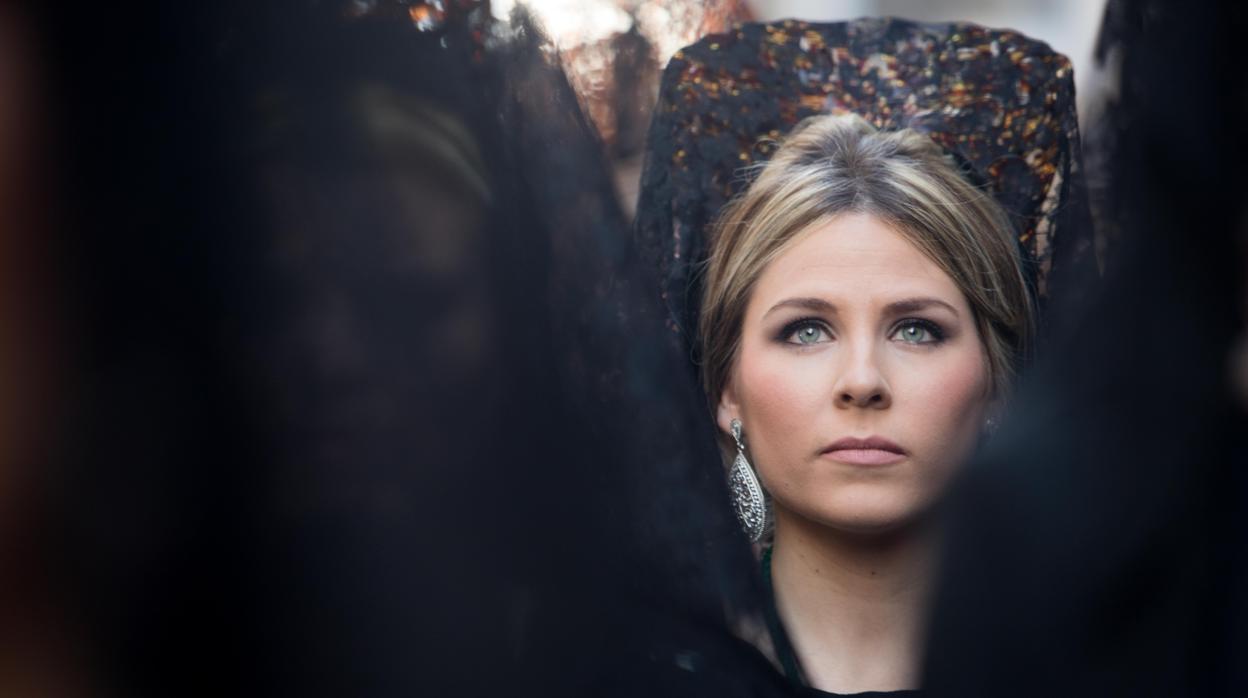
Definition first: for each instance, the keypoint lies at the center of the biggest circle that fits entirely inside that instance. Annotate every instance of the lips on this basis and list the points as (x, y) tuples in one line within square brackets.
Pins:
[(874, 450)]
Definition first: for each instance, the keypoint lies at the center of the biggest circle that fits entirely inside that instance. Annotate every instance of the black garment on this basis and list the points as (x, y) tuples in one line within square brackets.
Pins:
[(788, 655), (1098, 545), (379, 399)]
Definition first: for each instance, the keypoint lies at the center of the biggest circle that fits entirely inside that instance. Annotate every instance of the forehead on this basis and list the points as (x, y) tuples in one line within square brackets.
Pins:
[(854, 259)]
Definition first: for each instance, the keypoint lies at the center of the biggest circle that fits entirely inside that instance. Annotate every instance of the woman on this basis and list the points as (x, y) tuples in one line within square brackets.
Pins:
[(858, 312), (858, 331)]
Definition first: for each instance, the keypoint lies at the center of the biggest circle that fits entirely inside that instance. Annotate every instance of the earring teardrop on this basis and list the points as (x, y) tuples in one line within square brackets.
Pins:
[(747, 493)]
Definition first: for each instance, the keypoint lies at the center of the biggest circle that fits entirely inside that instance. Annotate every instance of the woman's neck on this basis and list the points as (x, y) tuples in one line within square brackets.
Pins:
[(853, 604)]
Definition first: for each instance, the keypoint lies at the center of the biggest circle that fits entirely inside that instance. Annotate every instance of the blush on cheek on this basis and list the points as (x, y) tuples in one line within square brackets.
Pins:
[(781, 397), (774, 384), (957, 394)]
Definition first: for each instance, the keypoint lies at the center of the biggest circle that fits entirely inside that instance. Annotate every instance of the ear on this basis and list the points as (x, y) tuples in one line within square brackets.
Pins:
[(728, 409)]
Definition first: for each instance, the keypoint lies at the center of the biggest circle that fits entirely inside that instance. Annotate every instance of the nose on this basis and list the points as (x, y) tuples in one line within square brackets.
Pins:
[(861, 382)]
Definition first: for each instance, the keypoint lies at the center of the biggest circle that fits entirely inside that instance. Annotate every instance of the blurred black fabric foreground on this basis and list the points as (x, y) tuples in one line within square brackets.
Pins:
[(1100, 545), (374, 398)]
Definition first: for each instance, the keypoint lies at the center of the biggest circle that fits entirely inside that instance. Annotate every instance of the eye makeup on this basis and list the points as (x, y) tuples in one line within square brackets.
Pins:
[(818, 331), (805, 331), (911, 331)]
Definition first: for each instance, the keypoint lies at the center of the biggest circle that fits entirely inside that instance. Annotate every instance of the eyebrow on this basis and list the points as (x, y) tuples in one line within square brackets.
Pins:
[(817, 305), (905, 305), (911, 305)]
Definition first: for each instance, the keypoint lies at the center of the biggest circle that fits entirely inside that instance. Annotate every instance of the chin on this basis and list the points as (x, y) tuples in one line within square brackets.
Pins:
[(869, 510)]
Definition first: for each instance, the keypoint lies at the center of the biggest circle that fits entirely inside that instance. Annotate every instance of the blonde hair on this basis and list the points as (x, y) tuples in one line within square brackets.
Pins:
[(831, 165)]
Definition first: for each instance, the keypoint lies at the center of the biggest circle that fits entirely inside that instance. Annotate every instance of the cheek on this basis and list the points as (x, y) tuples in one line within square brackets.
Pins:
[(781, 396), (945, 404)]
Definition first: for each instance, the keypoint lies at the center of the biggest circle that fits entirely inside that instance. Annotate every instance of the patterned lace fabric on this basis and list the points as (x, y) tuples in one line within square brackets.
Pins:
[(1001, 103)]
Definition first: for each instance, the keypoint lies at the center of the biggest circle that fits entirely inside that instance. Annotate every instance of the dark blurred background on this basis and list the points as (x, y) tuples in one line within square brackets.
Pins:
[(329, 367)]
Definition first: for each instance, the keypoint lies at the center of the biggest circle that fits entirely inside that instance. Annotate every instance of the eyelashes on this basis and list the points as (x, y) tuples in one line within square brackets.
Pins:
[(805, 331), (919, 331), (808, 331)]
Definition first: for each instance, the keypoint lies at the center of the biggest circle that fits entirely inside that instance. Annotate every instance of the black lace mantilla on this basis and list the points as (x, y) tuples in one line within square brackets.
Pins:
[(1001, 103)]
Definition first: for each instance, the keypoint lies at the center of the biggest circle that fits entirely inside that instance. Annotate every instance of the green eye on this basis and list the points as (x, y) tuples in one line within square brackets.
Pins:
[(808, 334), (917, 333)]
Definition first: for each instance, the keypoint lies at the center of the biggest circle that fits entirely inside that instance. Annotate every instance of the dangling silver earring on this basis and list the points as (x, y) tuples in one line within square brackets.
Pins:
[(747, 494)]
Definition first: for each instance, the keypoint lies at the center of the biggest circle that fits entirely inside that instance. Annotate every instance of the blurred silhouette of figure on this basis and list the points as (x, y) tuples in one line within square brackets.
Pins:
[(374, 397), (40, 649), (1100, 541)]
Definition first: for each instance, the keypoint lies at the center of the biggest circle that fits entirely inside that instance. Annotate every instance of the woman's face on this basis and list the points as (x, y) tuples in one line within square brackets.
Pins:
[(861, 381)]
